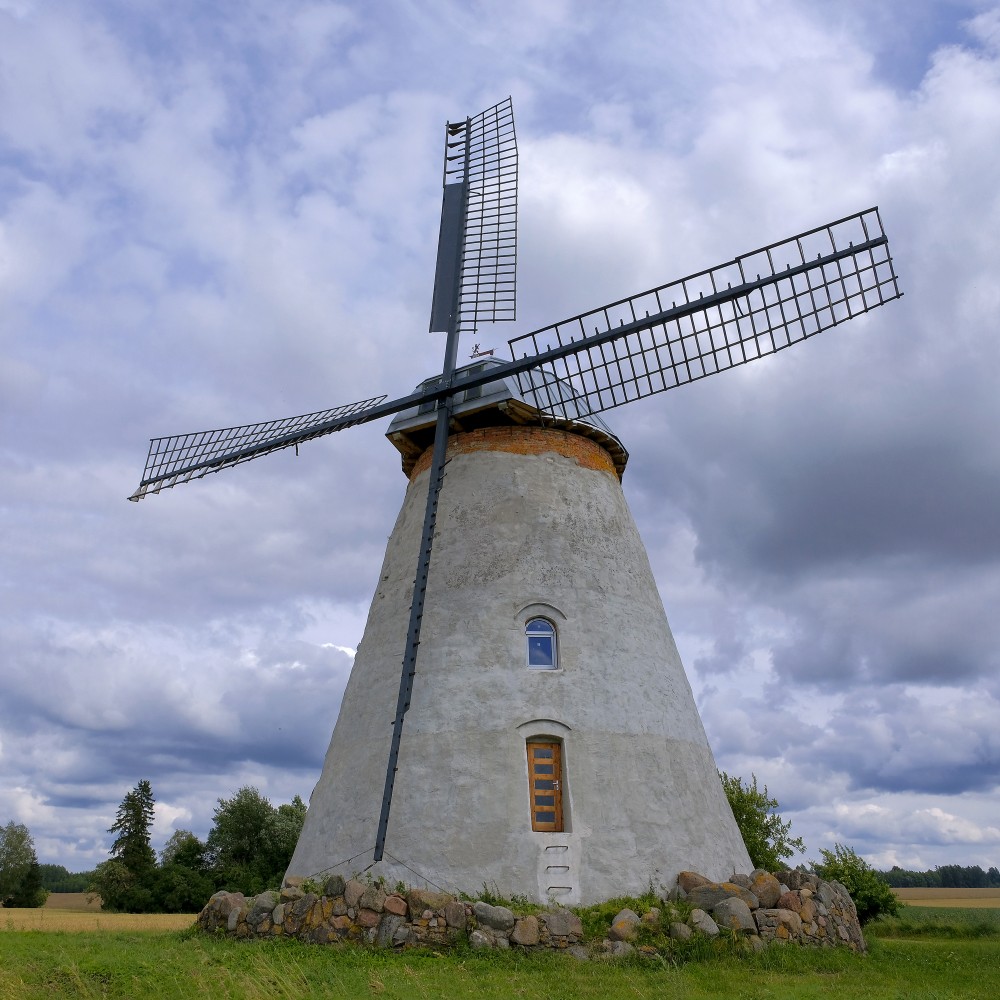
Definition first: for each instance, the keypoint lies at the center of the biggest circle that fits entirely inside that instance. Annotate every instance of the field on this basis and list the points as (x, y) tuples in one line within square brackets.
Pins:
[(958, 898), (926, 954)]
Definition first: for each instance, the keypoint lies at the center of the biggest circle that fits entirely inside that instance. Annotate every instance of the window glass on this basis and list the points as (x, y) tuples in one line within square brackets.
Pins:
[(541, 636)]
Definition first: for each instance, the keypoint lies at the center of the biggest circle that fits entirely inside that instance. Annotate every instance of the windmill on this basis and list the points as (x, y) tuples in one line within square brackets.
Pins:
[(555, 748)]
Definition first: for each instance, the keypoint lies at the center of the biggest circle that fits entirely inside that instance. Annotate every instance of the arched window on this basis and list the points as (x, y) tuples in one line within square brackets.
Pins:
[(542, 652)]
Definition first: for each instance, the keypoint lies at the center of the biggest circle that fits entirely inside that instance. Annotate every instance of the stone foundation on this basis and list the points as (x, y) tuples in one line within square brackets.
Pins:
[(790, 907)]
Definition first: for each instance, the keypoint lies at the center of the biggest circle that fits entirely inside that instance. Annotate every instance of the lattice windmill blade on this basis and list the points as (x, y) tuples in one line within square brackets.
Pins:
[(755, 305), (182, 457), (476, 276)]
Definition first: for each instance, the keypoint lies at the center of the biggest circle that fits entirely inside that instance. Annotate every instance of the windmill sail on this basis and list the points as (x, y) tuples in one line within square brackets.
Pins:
[(181, 457), (476, 277), (752, 306)]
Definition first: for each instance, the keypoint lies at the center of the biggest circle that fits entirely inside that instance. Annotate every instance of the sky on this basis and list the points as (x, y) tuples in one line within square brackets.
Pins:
[(214, 214)]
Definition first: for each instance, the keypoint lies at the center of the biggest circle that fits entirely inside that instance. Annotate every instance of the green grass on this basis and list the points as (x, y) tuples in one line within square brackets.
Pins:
[(937, 922), (181, 966)]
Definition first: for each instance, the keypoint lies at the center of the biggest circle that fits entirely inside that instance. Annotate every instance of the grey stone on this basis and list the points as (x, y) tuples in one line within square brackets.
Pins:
[(703, 923), (691, 880), (578, 952), (260, 906), (562, 923), (525, 932), (630, 915), (680, 932), (454, 914), (623, 930), (766, 888), (734, 915), (277, 914), (373, 898), (480, 939), (743, 880), (387, 928), (496, 917), (290, 893), (334, 886), (301, 907), (619, 949), (353, 891), (705, 897), (233, 919)]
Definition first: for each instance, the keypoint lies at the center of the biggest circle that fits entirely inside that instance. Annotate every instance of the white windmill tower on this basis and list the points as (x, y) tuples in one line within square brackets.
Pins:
[(553, 745)]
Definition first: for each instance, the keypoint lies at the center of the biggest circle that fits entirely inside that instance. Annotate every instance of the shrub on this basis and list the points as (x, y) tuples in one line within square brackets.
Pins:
[(871, 893)]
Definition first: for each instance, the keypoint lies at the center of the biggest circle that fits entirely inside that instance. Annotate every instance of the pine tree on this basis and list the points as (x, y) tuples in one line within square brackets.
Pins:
[(125, 881), (135, 816)]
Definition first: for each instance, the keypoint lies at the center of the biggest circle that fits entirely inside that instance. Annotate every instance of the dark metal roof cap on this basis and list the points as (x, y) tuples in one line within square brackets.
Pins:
[(501, 403)]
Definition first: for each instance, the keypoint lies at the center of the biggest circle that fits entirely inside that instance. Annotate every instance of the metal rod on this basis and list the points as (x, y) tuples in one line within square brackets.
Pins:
[(435, 482)]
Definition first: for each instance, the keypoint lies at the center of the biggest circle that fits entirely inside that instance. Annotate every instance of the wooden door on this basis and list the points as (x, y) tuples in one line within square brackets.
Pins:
[(545, 786)]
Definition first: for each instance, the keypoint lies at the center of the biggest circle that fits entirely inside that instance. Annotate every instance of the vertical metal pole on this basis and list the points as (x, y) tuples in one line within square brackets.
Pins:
[(434, 484)]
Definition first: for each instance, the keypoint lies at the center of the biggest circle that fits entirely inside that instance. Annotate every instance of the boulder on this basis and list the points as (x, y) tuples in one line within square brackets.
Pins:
[(373, 898), (703, 923), (260, 907), (454, 915), (387, 929), (495, 917), (680, 932), (766, 888), (480, 939), (419, 900), (706, 896), (691, 880), (334, 886), (525, 932), (734, 915), (353, 891), (562, 923)]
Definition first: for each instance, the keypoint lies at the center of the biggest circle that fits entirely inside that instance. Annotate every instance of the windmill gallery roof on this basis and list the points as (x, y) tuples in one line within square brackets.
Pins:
[(503, 403)]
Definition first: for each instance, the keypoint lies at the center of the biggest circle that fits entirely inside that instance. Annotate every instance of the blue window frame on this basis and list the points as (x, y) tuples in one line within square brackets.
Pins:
[(542, 651)]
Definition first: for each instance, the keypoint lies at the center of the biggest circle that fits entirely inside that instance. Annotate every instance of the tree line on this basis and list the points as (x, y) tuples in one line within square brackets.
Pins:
[(247, 850), (944, 877)]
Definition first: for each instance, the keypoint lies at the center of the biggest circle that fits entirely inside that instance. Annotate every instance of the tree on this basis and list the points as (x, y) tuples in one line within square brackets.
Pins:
[(237, 843), (871, 893), (132, 823), (20, 878), (764, 832), (184, 848), (56, 878), (124, 882), (251, 843), (183, 883)]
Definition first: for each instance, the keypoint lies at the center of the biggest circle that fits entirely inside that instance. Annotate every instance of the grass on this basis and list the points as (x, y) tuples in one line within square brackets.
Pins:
[(937, 922), (918, 958)]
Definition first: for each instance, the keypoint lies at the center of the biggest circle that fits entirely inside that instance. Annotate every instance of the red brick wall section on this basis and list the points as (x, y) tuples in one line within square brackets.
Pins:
[(525, 441)]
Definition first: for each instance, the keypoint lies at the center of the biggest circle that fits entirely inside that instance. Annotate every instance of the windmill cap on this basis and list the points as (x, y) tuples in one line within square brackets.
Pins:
[(499, 404)]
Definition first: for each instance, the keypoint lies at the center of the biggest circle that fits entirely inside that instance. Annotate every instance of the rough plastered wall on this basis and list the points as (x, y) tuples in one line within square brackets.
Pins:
[(531, 522)]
